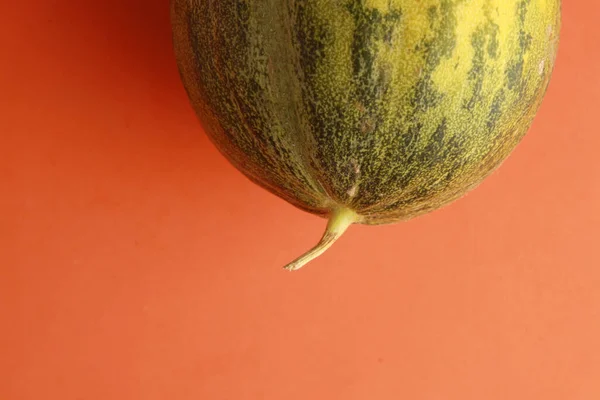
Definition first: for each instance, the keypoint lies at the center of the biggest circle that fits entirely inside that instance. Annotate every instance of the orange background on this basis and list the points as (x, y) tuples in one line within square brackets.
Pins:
[(136, 263)]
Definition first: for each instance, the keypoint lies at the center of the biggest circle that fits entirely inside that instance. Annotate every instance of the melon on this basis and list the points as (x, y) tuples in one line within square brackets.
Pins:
[(365, 111)]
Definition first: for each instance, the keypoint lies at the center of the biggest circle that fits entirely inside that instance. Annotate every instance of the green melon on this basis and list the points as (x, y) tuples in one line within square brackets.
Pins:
[(365, 111)]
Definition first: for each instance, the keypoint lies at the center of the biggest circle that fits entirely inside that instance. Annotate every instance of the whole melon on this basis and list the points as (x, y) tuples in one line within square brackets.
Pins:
[(365, 111)]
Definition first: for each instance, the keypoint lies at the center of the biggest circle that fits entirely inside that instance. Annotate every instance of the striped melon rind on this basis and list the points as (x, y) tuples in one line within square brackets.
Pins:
[(366, 111)]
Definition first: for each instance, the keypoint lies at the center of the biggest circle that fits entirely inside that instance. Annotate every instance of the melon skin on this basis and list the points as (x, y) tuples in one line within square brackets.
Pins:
[(386, 108)]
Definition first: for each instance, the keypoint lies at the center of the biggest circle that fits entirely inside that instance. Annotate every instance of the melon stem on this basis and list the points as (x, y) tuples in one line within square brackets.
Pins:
[(339, 221)]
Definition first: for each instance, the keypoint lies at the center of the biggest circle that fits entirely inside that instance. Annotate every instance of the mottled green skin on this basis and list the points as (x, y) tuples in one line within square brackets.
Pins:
[(391, 108)]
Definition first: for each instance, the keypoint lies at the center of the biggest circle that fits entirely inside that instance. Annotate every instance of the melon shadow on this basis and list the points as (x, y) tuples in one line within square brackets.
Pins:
[(129, 36)]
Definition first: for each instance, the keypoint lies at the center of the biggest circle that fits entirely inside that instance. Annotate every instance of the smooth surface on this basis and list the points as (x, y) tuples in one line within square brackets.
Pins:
[(135, 263)]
